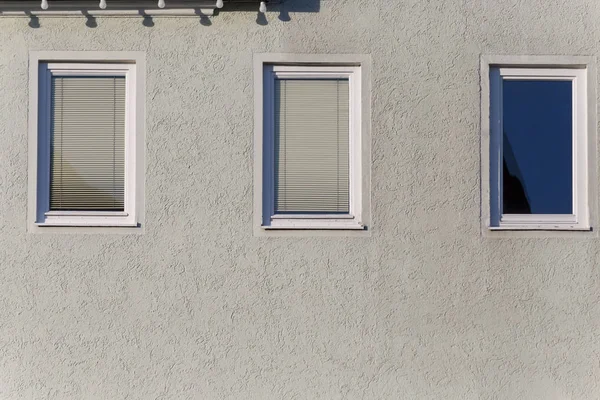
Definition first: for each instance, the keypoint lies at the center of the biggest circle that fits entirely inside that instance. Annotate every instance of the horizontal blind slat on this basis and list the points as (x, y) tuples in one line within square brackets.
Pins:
[(88, 143), (312, 135)]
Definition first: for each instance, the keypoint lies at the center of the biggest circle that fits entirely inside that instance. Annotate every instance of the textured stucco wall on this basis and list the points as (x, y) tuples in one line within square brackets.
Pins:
[(199, 308)]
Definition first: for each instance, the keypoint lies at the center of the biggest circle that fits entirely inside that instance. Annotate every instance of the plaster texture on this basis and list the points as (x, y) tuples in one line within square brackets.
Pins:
[(197, 307)]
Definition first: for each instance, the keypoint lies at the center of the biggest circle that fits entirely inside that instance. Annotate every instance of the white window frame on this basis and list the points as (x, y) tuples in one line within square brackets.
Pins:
[(44, 216), (350, 221), (579, 219)]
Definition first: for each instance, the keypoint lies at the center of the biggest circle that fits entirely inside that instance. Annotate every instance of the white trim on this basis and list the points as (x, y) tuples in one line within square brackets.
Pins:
[(313, 216), (522, 228), (43, 66), (538, 219), (292, 59), (87, 213), (566, 74), (309, 224), (352, 220), (579, 220), (88, 221)]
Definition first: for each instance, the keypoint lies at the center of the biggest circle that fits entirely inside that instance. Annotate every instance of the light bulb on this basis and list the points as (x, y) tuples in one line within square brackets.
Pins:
[(263, 7), (219, 3), (44, 4), (103, 4), (161, 3)]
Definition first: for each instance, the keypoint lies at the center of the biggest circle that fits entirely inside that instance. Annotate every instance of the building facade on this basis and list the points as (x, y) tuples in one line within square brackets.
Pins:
[(422, 267)]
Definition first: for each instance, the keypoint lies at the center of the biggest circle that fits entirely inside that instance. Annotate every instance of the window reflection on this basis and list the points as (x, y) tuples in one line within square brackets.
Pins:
[(537, 147)]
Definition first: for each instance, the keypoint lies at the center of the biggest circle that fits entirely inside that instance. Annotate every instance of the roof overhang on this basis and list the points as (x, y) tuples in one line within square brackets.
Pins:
[(124, 8)]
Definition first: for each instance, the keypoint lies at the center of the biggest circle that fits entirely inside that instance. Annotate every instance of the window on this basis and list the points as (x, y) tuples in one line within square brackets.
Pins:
[(86, 144), (312, 147), (538, 148), (311, 165)]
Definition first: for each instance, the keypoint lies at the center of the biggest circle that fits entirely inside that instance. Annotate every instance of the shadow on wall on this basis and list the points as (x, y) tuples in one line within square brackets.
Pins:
[(283, 9), (306, 6)]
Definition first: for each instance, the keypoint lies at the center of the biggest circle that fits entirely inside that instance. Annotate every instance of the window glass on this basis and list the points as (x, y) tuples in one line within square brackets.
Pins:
[(312, 146), (88, 143), (537, 175)]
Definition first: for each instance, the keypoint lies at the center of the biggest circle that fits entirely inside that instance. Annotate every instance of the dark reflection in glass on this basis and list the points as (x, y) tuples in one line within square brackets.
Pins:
[(537, 147)]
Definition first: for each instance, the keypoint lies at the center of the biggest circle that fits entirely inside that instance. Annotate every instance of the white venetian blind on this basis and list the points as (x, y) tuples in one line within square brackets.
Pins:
[(312, 145), (88, 143)]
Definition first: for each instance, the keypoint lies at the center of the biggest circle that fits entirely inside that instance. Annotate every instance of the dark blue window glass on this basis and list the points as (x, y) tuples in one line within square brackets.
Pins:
[(538, 147)]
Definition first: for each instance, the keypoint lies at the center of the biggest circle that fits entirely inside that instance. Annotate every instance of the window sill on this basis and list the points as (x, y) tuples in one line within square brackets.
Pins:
[(541, 222), (311, 217), (85, 225), (315, 223), (541, 228), (87, 219), (315, 227)]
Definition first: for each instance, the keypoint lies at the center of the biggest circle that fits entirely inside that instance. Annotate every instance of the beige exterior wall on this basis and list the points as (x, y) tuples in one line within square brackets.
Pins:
[(198, 307)]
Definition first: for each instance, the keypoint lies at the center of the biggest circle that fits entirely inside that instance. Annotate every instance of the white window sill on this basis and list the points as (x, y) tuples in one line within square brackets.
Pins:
[(88, 219), (540, 227), (316, 227), (540, 222), (312, 217), (316, 223), (85, 225)]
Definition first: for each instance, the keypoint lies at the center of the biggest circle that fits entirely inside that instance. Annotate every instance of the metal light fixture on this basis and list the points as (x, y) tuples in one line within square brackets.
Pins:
[(161, 4)]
